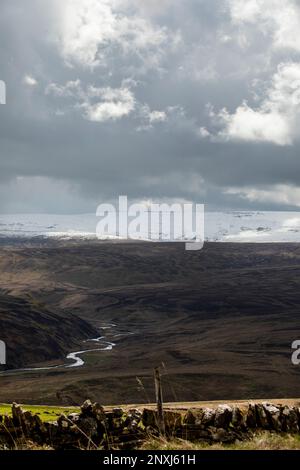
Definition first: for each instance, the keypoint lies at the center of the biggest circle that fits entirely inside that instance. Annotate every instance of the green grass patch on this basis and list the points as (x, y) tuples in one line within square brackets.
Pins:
[(46, 413)]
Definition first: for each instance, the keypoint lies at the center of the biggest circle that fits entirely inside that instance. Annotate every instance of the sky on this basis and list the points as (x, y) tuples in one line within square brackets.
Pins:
[(163, 100)]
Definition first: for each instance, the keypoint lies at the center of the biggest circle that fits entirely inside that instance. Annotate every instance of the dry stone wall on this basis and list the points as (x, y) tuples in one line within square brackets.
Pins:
[(93, 427)]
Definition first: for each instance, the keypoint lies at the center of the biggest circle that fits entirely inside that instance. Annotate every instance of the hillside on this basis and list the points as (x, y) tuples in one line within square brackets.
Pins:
[(34, 334)]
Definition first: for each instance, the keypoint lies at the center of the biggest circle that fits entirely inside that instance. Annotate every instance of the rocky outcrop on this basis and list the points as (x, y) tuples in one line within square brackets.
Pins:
[(93, 427)]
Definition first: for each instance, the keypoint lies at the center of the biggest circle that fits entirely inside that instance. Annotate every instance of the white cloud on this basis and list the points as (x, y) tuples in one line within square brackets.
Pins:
[(203, 133), (100, 104), (153, 116), (157, 116), (97, 104), (172, 115), (255, 125), (115, 103), (281, 18), (248, 11), (70, 89), (275, 120), (30, 81), (91, 29), (275, 194)]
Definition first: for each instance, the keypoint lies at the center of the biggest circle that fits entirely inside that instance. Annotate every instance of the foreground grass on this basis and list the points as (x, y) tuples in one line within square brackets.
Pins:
[(261, 441), (46, 413)]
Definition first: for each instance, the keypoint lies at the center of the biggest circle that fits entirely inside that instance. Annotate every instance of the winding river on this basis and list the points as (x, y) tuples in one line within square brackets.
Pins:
[(78, 361)]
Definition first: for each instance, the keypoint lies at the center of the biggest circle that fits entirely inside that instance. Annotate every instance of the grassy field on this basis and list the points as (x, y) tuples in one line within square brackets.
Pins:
[(46, 413)]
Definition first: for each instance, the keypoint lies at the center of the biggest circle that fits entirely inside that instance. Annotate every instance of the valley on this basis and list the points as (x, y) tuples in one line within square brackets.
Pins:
[(220, 321)]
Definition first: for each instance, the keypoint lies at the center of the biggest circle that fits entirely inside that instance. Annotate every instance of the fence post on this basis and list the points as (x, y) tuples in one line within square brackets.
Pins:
[(159, 402), (2, 353)]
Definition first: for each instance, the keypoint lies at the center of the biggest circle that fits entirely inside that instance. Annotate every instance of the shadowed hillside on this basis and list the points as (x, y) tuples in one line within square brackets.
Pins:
[(33, 333)]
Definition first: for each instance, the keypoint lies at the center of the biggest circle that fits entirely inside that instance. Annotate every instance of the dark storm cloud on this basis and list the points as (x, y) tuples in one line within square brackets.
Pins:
[(144, 117)]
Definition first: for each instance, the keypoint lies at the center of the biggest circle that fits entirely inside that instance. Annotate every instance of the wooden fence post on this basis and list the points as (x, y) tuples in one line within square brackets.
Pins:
[(159, 402)]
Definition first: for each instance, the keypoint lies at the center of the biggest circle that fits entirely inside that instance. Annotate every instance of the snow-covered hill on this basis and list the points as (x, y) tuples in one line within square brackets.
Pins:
[(219, 226)]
